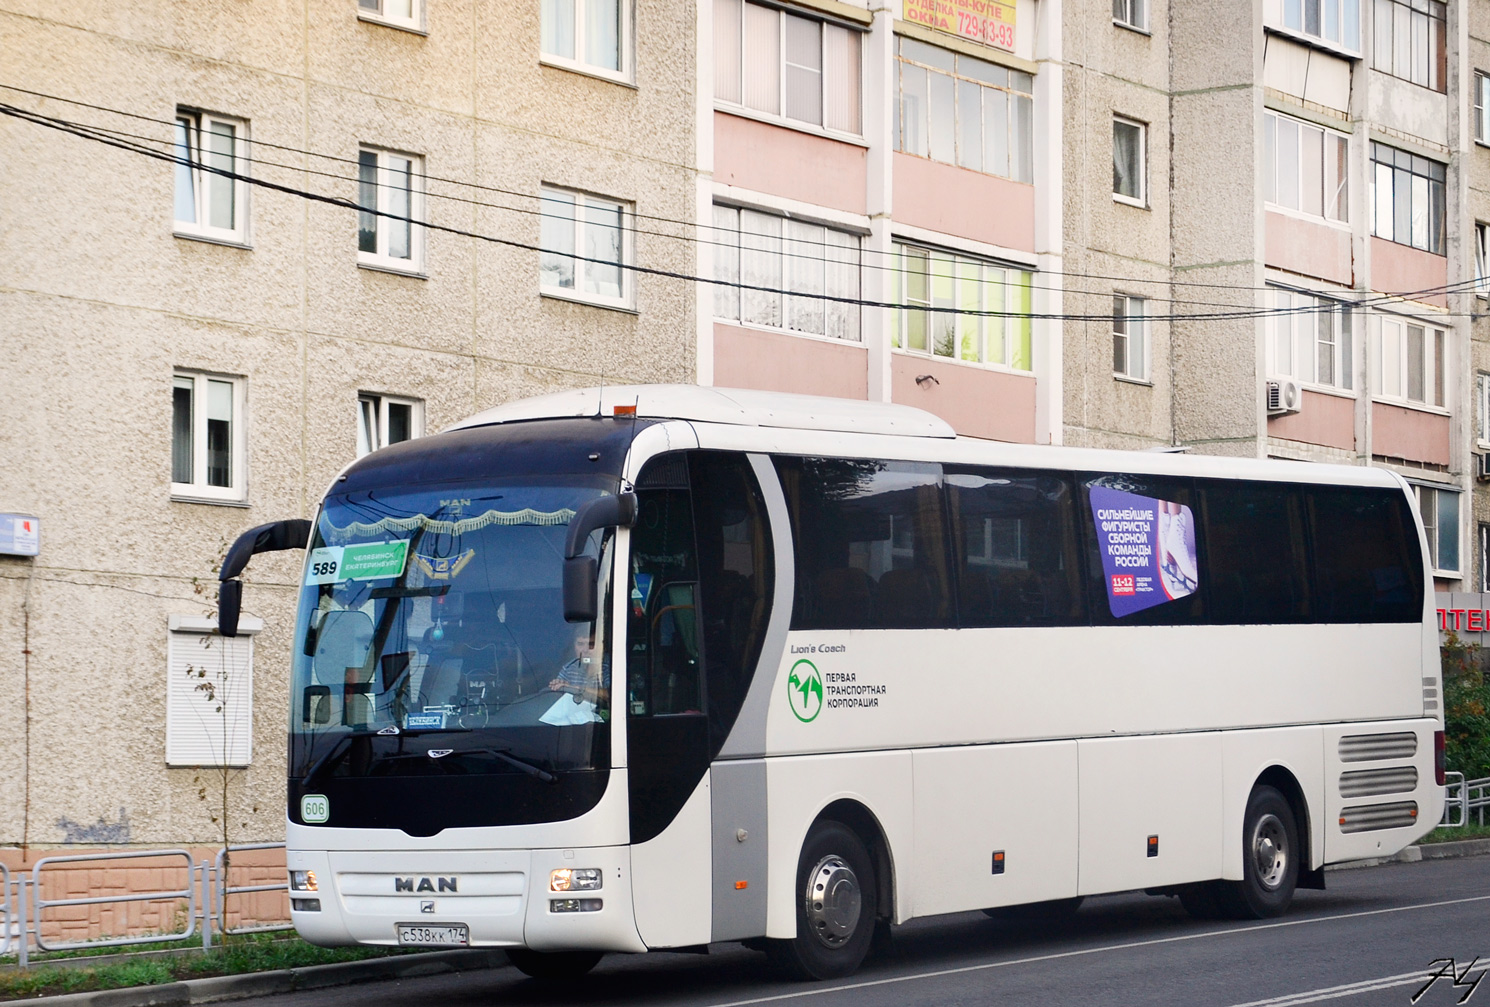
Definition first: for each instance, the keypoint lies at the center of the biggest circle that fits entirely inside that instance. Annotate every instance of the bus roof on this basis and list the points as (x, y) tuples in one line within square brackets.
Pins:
[(737, 406)]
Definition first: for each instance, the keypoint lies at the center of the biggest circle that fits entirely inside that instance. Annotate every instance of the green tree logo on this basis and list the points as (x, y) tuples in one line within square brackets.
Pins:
[(804, 690)]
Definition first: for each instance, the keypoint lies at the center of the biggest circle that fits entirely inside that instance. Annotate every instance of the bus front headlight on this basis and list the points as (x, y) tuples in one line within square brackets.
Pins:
[(303, 881), (575, 879)]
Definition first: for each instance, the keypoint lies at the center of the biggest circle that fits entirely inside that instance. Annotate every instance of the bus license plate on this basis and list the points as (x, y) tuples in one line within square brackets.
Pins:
[(457, 936)]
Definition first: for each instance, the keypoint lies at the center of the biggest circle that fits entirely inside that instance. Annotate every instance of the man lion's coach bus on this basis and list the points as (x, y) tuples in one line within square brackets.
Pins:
[(653, 667)]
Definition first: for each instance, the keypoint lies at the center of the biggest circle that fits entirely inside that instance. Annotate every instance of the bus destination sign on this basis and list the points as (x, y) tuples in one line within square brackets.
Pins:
[(989, 22)]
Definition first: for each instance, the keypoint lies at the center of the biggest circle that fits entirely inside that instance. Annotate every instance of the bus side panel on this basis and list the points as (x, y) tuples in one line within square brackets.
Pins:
[(800, 787), (671, 878), (1367, 770), (1245, 755), (1167, 786), (1016, 799), (740, 847)]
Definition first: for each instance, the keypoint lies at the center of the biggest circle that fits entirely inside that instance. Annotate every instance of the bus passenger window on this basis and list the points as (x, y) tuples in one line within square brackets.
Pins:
[(1367, 560), (1014, 544), (871, 549), (1258, 569)]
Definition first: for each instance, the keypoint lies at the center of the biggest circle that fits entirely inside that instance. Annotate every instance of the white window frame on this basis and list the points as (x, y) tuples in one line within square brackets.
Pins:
[(386, 193), (580, 267), (740, 61), (1482, 409), (198, 489), (1482, 258), (197, 124), (209, 702), (1484, 537), (1294, 338), (376, 11), (1394, 37), (1131, 14), (959, 265), (372, 420), (1390, 379), (1274, 166), (625, 61), (1481, 107), (1292, 16), (1429, 500), (1130, 325), (1142, 199)]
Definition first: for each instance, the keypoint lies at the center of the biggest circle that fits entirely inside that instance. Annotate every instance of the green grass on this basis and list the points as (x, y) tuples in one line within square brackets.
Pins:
[(248, 953), (1471, 830)]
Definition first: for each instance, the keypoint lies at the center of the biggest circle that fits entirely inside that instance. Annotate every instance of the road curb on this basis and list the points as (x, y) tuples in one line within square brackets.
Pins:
[(214, 989), (1426, 851)]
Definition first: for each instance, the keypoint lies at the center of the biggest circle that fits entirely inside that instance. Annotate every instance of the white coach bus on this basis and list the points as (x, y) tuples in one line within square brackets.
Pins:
[(653, 667)]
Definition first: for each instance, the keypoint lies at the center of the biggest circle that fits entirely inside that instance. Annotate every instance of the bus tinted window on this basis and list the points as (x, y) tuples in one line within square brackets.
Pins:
[(1257, 552), (1145, 559), (1367, 561), (1014, 548), (869, 542)]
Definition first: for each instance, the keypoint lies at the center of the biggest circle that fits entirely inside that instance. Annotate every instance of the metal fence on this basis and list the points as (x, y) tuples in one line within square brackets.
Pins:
[(1462, 798), (205, 894)]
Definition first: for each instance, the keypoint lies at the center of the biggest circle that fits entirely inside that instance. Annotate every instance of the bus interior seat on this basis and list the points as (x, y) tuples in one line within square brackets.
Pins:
[(844, 598), (905, 597)]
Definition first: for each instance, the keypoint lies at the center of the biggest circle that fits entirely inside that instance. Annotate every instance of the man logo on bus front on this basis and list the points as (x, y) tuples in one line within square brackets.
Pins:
[(804, 690)]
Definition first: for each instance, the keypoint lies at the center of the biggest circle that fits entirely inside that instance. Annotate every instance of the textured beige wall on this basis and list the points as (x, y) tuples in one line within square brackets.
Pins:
[(100, 303)]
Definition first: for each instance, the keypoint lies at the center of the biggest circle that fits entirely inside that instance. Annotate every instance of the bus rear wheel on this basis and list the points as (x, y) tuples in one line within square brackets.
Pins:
[(836, 906), (553, 965), (1270, 865)]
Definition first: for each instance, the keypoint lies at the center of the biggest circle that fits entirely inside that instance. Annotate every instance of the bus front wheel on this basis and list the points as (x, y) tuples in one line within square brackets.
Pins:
[(836, 906), (553, 964)]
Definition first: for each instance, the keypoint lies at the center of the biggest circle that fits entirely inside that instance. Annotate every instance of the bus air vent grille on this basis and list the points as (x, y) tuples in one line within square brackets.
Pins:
[(1379, 816), (1372, 782), (1375, 747)]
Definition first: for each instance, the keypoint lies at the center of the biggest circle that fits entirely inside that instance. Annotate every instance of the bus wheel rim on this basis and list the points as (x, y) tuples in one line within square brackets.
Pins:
[(1269, 851), (834, 902)]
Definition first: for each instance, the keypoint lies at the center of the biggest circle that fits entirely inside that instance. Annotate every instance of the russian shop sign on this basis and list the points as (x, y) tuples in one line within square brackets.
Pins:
[(990, 22), (1467, 616)]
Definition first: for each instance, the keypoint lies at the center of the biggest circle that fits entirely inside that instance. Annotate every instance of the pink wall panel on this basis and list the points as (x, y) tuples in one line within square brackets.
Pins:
[(1309, 248), (780, 362), (995, 405), (1398, 269), (969, 204), (787, 162), (1325, 419), (1399, 432)]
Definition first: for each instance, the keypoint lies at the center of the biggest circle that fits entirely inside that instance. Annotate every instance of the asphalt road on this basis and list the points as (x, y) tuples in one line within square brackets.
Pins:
[(1369, 939)]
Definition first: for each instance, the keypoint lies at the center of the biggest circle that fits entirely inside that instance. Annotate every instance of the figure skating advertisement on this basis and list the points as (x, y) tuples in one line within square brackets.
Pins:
[(1148, 549)]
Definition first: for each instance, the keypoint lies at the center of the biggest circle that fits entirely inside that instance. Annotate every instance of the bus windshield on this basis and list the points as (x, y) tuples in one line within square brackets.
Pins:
[(431, 639)]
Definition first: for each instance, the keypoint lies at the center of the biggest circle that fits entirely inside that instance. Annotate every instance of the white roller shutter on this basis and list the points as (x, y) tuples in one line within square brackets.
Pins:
[(209, 697)]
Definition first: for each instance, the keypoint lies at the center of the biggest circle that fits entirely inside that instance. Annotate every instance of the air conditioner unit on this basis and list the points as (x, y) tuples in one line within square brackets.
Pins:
[(1284, 396), (1482, 467)]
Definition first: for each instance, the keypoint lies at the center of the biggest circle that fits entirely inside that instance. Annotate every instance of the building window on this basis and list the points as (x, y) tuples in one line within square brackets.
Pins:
[(383, 420), (207, 440), (965, 111), (584, 248), (1407, 198), (1439, 509), (1305, 168), (1482, 259), (407, 14), (961, 308), (1481, 107), (818, 265), (1130, 336), (1482, 402), (1409, 38), (1310, 338), (209, 693), (1408, 358), (1484, 584), (390, 191), (782, 64), (1131, 13), (1129, 172), (589, 35), (1337, 22), (211, 198)]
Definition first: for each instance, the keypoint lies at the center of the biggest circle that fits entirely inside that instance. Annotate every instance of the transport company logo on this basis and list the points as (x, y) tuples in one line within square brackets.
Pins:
[(804, 690)]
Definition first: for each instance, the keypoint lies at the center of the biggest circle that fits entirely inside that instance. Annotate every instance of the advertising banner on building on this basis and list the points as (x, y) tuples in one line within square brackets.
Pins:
[(1147, 547), (990, 22)]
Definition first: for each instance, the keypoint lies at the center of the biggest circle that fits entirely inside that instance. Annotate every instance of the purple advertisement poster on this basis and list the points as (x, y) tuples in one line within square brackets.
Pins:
[(1147, 547)]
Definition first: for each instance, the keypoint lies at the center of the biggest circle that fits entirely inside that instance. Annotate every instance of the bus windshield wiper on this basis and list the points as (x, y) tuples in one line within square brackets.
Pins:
[(501, 753), (334, 751)]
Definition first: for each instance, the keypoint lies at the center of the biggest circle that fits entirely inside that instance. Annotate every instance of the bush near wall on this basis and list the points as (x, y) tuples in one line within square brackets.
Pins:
[(1466, 694)]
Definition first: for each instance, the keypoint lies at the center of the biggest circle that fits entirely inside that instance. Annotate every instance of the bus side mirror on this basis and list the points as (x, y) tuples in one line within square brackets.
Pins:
[(580, 571), (580, 594), (229, 604), (272, 537)]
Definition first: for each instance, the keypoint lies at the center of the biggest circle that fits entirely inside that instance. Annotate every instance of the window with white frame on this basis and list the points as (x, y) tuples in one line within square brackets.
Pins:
[(1407, 198), (407, 14), (1305, 168), (1310, 338), (1131, 13), (585, 247), (1439, 509), (1130, 352), (1335, 21), (1482, 259), (1408, 359), (211, 154), (786, 65), (390, 192), (207, 437), (817, 266), (589, 35), (1484, 584), (965, 111), (209, 693), (383, 420), (1481, 106), (1129, 172), (1482, 409), (1410, 41), (960, 307)]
